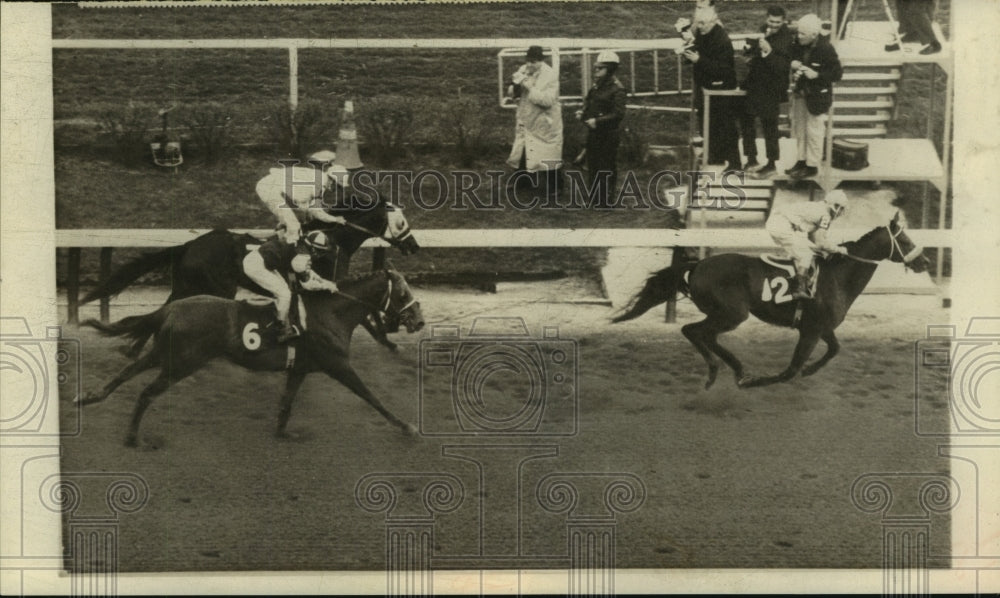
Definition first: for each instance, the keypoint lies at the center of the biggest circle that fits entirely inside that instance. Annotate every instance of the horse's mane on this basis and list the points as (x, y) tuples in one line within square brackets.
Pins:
[(893, 224)]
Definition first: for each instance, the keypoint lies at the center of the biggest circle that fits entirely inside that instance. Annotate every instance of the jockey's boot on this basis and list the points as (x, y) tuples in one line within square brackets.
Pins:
[(287, 332), (801, 287)]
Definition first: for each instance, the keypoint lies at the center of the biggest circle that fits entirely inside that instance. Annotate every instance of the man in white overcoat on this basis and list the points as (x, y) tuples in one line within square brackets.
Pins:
[(538, 137)]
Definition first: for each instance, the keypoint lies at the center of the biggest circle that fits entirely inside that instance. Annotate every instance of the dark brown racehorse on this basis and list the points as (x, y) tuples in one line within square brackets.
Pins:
[(190, 332), (728, 287), (212, 264)]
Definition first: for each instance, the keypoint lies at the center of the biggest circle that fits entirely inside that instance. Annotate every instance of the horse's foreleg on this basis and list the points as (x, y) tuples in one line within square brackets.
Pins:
[(804, 348), (157, 386), (292, 383), (345, 374), (375, 328), (150, 360), (832, 348)]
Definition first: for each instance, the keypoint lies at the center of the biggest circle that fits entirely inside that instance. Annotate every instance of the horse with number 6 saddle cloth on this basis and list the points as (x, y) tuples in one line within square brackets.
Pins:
[(728, 287)]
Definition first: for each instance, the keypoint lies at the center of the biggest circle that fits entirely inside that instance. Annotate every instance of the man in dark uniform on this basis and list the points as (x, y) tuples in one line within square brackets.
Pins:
[(603, 111), (714, 68), (766, 85)]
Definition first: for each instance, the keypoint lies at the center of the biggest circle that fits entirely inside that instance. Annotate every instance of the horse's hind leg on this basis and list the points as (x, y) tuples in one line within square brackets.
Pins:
[(156, 387), (345, 374), (832, 348), (292, 384), (150, 360), (695, 333), (704, 336)]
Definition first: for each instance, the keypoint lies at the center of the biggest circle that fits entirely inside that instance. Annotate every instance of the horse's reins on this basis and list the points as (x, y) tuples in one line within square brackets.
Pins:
[(907, 258), (386, 302), (392, 240)]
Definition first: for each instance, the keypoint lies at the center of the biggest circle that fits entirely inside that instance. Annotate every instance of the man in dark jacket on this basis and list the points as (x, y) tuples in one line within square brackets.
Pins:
[(815, 68), (766, 85), (714, 67), (603, 110)]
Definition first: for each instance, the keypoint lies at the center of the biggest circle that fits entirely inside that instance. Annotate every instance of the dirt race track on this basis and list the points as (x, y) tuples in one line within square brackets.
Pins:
[(753, 478)]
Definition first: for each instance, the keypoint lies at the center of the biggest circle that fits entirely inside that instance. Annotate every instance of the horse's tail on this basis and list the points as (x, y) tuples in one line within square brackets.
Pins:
[(131, 272), (137, 328), (659, 287)]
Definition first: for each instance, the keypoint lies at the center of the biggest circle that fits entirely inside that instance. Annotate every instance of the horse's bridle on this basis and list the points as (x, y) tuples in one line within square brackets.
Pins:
[(384, 304), (394, 241), (894, 246)]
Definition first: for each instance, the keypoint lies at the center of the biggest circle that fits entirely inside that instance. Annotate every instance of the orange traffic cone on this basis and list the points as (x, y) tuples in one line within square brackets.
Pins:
[(347, 142)]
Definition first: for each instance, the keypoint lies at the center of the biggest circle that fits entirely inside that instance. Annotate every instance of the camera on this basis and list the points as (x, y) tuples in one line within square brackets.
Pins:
[(957, 380), (498, 381), (28, 380), (752, 47)]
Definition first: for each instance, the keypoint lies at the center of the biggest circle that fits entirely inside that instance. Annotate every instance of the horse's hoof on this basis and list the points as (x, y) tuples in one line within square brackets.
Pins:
[(89, 398), (747, 381), (391, 346), (410, 430), (809, 371), (709, 383)]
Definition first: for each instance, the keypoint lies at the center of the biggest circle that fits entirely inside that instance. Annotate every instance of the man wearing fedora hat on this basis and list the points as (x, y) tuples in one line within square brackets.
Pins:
[(538, 134)]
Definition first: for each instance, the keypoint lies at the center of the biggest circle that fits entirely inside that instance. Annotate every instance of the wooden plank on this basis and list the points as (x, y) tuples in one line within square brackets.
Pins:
[(105, 271), (73, 285), (893, 75), (840, 90)]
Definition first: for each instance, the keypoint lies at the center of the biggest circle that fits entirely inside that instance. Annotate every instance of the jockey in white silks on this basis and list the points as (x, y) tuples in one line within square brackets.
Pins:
[(791, 229), (295, 194)]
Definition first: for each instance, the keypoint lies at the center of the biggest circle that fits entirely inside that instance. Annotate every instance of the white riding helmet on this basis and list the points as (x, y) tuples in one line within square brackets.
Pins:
[(318, 240), (607, 56), (836, 199), (339, 175), (324, 156)]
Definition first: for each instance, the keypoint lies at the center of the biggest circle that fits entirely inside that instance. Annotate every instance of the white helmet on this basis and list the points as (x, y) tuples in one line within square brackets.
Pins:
[(836, 199), (323, 156), (339, 175), (607, 56)]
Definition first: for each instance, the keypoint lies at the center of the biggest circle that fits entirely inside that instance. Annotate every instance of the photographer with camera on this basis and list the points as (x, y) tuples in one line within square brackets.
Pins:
[(815, 68), (603, 111), (714, 67), (538, 135), (766, 85)]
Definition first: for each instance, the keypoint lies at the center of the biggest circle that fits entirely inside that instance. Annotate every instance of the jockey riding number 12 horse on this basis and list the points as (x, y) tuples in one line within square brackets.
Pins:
[(791, 229)]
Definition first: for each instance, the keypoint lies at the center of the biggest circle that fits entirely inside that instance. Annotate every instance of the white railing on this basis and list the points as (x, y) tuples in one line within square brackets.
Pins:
[(107, 239)]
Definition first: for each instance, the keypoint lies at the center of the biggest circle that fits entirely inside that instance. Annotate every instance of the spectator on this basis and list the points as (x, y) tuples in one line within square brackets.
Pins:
[(603, 111), (766, 85), (915, 18), (715, 68), (815, 68), (538, 136)]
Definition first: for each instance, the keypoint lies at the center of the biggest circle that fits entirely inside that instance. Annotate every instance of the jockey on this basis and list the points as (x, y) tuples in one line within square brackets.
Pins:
[(295, 194), (791, 229), (270, 263)]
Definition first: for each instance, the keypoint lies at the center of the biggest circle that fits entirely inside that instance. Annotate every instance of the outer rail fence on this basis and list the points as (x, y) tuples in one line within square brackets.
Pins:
[(107, 239)]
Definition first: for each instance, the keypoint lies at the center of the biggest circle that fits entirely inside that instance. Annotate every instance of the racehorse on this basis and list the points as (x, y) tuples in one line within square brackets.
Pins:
[(189, 332), (212, 264), (728, 287)]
